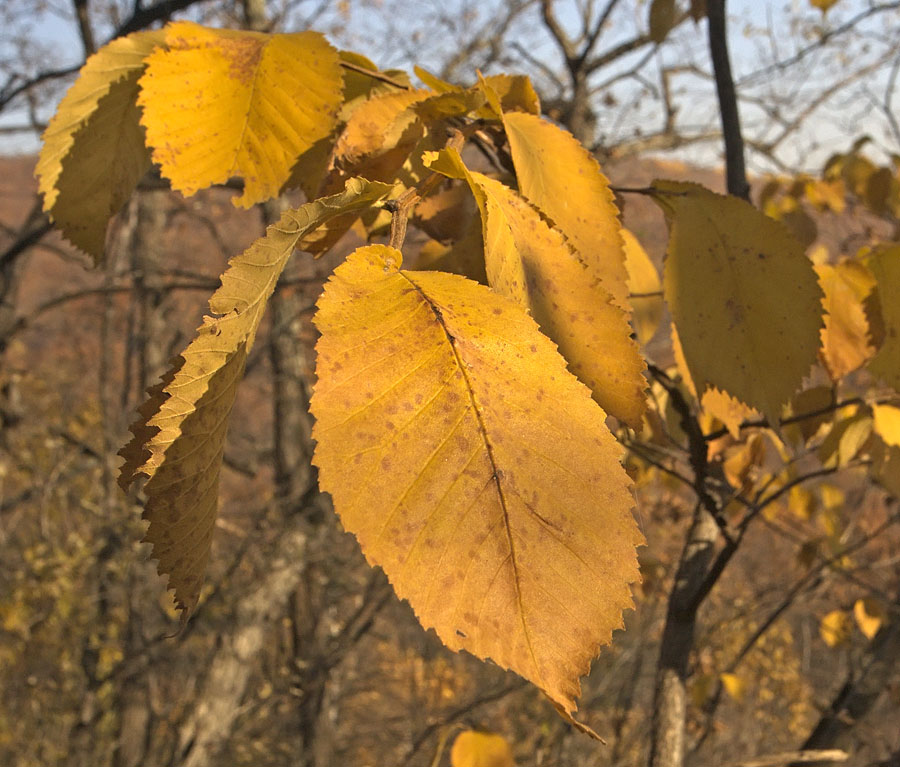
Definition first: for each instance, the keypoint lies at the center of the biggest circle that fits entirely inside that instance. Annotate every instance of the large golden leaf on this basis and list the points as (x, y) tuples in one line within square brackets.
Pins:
[(563, 180), (93, 151), (179, 439), (473, 468), (531, 263), (885, 267), (846, 343), (742, 294), (220, 103)]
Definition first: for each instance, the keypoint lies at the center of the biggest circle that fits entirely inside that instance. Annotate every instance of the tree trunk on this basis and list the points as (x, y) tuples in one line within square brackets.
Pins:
[(670, 696), (218, 704)]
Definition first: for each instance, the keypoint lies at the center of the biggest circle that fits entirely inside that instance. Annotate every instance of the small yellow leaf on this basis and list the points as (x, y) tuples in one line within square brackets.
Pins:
[(93, 151), (870, 615), (377, 125), (801, 502), (845, 337), (845, 440), (515, 93), (531, 263), (661, 19), (742, 294), (562, 179), (220, 103), (887, 423), (823, 5), (644, 288), (179, 440), (742, 460), (480, 749), (832, 497), (729, 410), (473, 468), (734, 686), (835, 628)]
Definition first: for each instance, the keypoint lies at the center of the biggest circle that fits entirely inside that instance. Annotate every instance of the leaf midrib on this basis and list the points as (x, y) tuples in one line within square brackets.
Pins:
[(439, 318)]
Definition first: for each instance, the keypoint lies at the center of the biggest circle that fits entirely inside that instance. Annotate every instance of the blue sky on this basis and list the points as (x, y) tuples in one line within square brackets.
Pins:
[(828, 130)]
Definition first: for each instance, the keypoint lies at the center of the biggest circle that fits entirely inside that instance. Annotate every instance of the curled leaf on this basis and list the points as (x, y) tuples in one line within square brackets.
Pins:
[(179, 439)]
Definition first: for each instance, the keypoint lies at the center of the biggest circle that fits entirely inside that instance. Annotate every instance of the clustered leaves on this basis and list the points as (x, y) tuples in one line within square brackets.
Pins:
[(462, 405)]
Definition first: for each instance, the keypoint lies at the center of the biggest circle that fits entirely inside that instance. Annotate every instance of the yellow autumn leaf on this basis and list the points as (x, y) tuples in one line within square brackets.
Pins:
[(823, 5), (846, 341), (845, 440), (644, 288), (885, 267), (93, 151), (801, 502), (179, 439), (661, 19), (727, 409), (743, 296), (465, 256), (379, 124), (562, 179), (835, 628), (742, 460), (514, 92), (446, 214), (531, 263), (480, 749), (220, 103), (473, 468), (870, 615), (887, 423), (734, 686)]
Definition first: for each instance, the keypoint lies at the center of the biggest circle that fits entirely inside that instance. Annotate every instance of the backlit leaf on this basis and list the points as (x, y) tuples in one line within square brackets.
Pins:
[(835, 628), (515, 93), (870, 615), (480, 749), (885, 267), (845, 440), (730, 411), (531, 263), (473, 468), (845, 336), (742, 294), (220, 103), (378, 124), (742, 461), (562, 179), (179, 440), (645, 290), (823, 5), (734, 686), (887, 423), (93, 151)]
